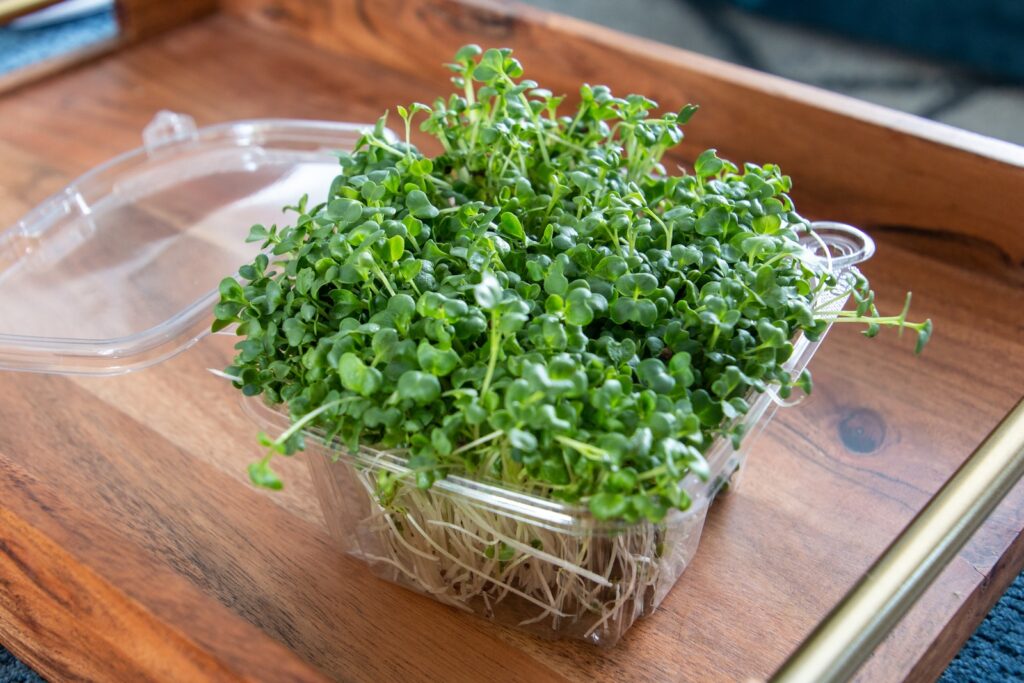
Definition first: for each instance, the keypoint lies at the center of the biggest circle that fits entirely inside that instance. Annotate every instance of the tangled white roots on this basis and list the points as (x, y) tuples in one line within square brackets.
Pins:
[(590, 585)]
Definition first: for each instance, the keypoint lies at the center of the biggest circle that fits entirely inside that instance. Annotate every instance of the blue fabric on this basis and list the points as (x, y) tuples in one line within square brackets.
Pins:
[(13, 671), (996, 650), (21, 48), (985, 34)]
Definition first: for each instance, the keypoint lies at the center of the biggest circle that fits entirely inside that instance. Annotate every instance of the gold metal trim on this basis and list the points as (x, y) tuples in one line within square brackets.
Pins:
[(12, 9), (849, 634)]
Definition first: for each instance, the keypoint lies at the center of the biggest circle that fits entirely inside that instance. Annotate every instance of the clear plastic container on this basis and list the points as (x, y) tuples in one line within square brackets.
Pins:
[(120, 270), (528, 561)]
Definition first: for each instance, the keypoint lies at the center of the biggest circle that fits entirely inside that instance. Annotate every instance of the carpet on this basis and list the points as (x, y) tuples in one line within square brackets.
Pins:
[(996, 650), (13, 671)]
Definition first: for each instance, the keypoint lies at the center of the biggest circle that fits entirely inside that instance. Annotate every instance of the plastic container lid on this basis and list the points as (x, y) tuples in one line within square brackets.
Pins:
[(120, 269)]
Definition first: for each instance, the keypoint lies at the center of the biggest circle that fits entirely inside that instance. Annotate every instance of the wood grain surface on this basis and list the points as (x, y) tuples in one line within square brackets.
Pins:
[(140, 19), (132, 548)]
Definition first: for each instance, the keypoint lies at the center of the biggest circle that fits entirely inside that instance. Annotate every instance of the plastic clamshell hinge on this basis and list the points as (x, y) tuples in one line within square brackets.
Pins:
[(166, 128)]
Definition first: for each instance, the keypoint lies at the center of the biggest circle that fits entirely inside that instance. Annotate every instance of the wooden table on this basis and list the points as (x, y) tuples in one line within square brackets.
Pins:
[(132, 548)]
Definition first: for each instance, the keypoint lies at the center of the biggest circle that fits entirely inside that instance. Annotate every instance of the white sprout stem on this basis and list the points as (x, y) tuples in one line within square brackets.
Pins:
[(465, 566), (223, 375), (826, 252), (540, 554), (482, 440)]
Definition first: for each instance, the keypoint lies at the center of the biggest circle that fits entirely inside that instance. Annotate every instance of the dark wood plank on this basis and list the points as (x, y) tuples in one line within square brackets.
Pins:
[(69, 622), (149, 467), (140, 19)]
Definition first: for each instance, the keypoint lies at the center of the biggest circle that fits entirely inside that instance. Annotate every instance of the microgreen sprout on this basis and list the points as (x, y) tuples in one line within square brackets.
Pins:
[(542, 305)]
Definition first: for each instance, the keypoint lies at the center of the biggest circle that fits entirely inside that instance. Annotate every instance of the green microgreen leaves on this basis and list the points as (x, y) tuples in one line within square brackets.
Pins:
[(357, 376), (436, 361), (488, 292), (707, 164), (419, 205), (511, 226), (262, 475), (541, 304), (419, 387)]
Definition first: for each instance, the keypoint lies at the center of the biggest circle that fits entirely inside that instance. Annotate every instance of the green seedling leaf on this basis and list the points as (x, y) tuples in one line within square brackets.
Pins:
[(356, 376), (419, 205), (707, 164), (511, 226), (488, 292), (440, 362), (261, 475), (419, 387)]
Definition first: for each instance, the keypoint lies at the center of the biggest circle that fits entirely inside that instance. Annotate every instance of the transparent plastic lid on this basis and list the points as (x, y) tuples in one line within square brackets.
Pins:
[(120, 269)]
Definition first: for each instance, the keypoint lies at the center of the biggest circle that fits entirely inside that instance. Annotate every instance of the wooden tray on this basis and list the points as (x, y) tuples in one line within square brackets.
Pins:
[(132, 547)]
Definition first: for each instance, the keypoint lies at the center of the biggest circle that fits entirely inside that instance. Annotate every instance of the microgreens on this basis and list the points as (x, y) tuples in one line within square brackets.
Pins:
[(542, 304)]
